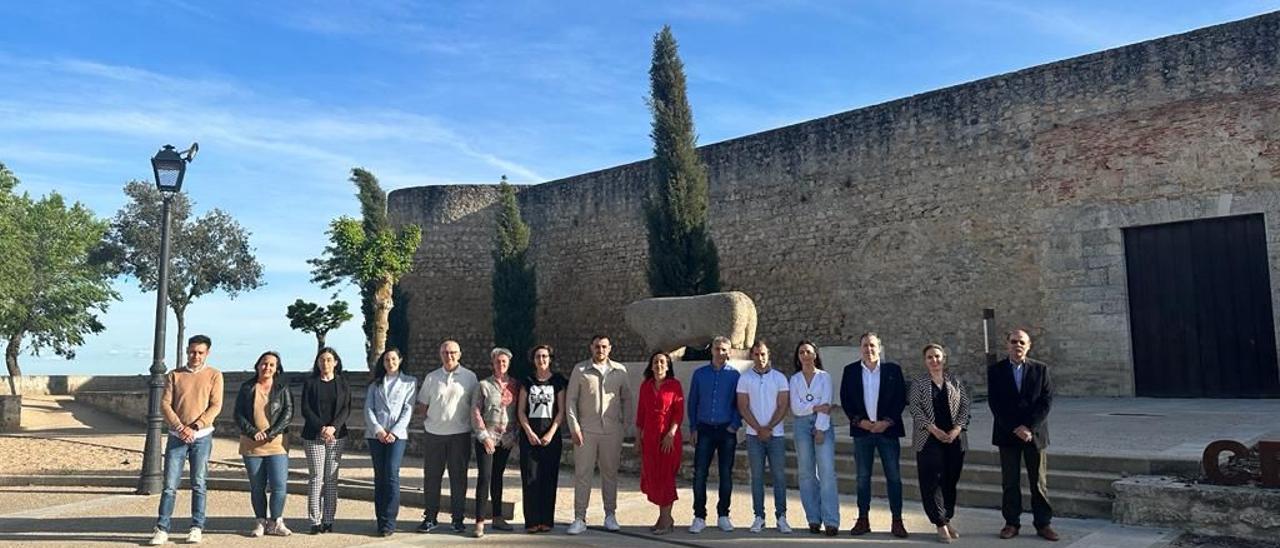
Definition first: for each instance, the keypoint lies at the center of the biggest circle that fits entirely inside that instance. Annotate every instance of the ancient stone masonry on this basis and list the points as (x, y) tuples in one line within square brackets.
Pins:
[(909, 217)]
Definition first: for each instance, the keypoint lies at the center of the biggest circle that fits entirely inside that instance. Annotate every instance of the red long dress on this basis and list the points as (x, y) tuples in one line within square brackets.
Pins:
[(656, 411)]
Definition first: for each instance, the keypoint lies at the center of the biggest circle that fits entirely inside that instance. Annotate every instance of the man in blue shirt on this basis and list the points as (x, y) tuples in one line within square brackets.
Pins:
[(713, 428)]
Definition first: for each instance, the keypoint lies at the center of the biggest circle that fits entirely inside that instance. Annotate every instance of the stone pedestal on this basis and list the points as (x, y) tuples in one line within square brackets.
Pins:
[(1239, 511), (10, 413)]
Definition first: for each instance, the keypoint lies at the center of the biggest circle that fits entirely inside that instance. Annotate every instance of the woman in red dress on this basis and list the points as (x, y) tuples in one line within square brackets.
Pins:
[(659, 413)]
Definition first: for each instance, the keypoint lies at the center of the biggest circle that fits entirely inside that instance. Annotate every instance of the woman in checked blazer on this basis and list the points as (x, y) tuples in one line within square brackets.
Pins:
[(939, 406)]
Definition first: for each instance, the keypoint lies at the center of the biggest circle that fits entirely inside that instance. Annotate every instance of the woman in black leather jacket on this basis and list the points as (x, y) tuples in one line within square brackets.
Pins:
[(264, 408)]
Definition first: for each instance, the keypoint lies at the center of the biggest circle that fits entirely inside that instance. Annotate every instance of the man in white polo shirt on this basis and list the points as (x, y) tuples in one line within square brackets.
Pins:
[(445, 399), (763, 400)]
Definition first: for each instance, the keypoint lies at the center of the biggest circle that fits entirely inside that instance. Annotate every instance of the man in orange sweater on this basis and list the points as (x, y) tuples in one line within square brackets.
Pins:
[(192, 399)]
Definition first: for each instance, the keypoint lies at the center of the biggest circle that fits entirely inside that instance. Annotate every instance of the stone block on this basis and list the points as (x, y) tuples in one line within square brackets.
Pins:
[(669, 323), (10, 413), (1239, 511)]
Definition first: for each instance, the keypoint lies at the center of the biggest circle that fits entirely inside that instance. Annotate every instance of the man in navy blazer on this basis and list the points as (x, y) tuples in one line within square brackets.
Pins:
[(1020, 394), (873, 395)]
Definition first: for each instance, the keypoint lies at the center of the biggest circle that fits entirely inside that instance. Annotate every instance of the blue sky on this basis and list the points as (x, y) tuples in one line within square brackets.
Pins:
[(286, 97)]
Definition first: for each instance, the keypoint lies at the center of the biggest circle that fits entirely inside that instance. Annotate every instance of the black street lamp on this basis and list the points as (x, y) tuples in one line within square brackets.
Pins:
[(169, 166)]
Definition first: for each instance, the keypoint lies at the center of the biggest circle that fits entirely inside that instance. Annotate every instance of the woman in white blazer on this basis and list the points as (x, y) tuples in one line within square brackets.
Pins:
[(388, 407)]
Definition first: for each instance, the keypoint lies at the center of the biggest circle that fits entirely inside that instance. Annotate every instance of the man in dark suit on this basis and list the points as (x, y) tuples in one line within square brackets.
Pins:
[(873, 395), (1019, 394)]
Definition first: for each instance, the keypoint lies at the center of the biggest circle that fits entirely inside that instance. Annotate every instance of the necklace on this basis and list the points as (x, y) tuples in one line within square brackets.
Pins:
[(807, 382)]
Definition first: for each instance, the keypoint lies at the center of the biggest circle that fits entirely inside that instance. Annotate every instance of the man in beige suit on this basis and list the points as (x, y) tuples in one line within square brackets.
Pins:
[(599, 408)]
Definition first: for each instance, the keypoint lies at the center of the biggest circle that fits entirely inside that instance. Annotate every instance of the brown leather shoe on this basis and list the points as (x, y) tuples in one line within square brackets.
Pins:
[(831, 530), (1008, 532), (862, 527), (1047, 533), (899, 530)]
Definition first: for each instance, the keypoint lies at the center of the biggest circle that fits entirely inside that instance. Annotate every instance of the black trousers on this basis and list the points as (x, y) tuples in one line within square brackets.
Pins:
[(939, 465), (1012, 458), (489, 470), (539, 479), (454, 452)]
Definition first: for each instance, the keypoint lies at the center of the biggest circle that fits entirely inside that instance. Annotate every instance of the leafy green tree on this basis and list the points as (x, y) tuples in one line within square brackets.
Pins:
[(53, 292), (310, 317), (207, 254), (368, 254), (682, 258), (515, 290), (10, 243)]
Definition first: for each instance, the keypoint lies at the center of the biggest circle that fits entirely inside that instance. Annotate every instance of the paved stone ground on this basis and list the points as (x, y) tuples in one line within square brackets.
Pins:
[(70, 516)]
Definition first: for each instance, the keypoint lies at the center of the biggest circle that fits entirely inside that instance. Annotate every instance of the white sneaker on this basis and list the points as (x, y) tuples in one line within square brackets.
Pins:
[(158, 537), (259, 527), (195, 536), (577, 527), (757, 525), (783, 526), (278, 528), (697, 526), (724, 524), (611, 523)]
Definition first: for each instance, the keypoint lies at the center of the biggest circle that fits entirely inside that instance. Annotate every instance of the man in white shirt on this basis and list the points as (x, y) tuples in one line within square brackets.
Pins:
[(445, 399), (763, 400), (873, 395)]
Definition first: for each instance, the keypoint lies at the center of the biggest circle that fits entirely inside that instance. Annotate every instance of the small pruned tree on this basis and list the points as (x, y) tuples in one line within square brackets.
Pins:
[(319, 320), (515, 290), (53, 291), (682, 258), (368, 255), (210, 253)]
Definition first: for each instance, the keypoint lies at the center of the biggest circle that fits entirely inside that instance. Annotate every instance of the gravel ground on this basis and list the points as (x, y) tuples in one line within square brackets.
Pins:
[(24, 455)]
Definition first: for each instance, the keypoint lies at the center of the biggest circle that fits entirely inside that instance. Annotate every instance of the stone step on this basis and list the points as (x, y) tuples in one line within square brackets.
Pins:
[(1072, 492)]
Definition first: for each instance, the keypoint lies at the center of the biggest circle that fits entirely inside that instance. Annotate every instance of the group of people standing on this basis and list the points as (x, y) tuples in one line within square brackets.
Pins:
[(490, 418)]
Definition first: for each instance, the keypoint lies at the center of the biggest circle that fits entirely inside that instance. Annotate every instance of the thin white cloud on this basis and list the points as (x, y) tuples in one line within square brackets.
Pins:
[(222, 114)]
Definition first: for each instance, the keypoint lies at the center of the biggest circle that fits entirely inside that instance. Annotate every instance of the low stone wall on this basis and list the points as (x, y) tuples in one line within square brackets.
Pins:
[(131, 405), (65, 385), (1159, 501)]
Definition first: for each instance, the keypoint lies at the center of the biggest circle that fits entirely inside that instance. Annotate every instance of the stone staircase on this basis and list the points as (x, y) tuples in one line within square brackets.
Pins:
[(1078, 486)]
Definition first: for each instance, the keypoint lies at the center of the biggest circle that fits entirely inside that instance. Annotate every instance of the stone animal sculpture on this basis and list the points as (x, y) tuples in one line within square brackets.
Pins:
[(671, 323)]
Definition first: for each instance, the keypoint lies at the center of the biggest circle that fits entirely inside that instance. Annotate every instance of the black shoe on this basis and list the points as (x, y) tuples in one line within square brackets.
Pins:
[(387, 532), (327, 527), (458, 527), (427, 526), (317, 529)]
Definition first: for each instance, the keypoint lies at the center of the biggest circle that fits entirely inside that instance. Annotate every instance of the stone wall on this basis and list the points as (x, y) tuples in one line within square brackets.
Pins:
[(909, 217), (63, 385)]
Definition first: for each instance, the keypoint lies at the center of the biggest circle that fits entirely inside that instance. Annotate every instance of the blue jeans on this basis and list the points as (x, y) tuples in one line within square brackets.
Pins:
[(386, 481), (176, 452), (272, 470), (719, 440), (817, 479), (864, 452), (775, 451)]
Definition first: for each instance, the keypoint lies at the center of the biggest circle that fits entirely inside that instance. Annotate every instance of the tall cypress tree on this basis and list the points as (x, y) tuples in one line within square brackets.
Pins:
[(515, 291), (373, 217), (682, 258)]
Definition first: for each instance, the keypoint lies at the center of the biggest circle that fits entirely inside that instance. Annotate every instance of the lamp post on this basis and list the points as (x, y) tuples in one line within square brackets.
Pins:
[(169, 166)]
